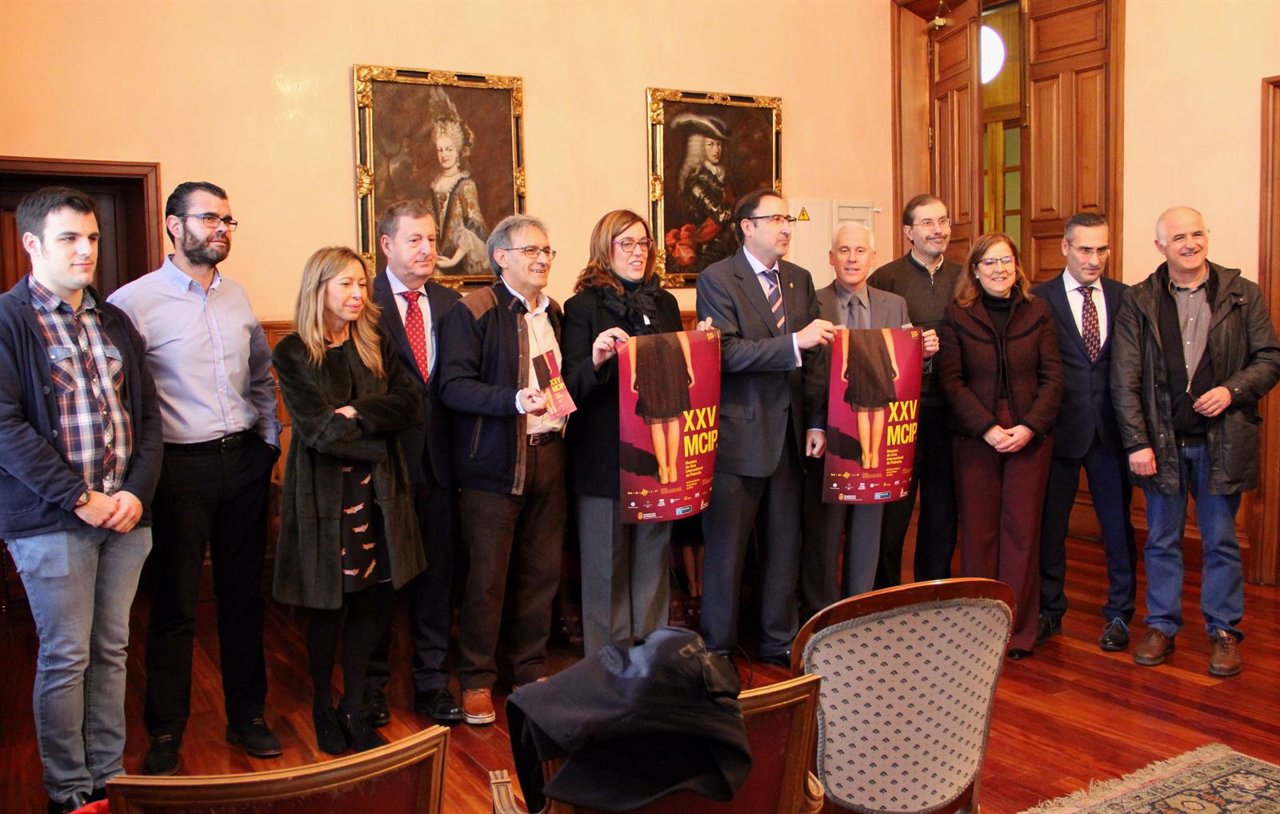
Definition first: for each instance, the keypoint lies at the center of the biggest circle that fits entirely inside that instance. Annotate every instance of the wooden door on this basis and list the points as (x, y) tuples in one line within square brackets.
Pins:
[(1073, 125), (956, 124)]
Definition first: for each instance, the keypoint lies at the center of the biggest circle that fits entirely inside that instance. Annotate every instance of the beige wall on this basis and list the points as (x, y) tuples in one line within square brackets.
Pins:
[(256, 96), (1192, 128)]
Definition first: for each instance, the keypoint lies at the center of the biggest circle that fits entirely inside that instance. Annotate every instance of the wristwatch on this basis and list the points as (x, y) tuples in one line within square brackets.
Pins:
[(83, 500)]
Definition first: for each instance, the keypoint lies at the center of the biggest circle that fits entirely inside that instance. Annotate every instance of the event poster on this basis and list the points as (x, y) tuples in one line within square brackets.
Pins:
[(668, 411), (872, 407), (547, 372)]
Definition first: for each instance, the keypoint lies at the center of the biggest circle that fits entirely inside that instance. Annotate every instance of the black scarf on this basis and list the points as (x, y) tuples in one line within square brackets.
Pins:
[(637, 301)]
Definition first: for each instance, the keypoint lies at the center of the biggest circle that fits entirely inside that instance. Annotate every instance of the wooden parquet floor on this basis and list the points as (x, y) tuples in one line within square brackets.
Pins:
[(1069, 715)]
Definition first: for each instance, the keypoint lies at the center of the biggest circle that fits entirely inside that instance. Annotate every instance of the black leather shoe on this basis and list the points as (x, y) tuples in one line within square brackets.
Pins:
[(329, 734), (1046, 628), (255, 738), (439, 706), (164, 755), (360, 734), (1115, 636), (1019, 655), (77, 800), (375, 701)]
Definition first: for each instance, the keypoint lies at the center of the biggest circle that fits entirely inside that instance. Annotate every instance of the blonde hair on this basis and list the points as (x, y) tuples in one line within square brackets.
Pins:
[(308, 314), (967, 287)]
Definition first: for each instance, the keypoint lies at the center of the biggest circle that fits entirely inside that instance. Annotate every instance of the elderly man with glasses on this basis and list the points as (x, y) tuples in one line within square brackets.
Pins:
[(508, 459), (212, 368)]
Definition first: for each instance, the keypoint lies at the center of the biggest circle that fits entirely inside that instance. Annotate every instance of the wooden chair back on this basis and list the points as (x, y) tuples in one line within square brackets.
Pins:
[(908, 682), (404, 776)]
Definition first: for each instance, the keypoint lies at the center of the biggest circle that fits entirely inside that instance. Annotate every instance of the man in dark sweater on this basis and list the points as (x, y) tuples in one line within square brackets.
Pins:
[(926, 279)]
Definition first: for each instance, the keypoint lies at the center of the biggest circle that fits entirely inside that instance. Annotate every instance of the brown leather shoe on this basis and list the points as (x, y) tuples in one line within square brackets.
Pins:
[(477, 707), (1224, 654), (1153, 648)]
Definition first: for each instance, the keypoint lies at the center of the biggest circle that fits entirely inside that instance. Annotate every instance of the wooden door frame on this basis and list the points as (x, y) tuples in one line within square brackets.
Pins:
[(1263, 519), (148, 174)]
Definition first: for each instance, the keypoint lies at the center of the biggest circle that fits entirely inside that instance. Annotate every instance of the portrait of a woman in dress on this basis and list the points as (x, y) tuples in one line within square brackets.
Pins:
[(457, 202)]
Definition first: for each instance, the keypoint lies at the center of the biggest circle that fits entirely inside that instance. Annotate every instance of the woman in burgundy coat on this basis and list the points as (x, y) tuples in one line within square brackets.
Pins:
[(1000, 369)]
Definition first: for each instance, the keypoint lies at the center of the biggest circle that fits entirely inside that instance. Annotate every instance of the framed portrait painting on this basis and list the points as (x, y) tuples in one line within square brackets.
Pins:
[(705, 151), (453, 141)]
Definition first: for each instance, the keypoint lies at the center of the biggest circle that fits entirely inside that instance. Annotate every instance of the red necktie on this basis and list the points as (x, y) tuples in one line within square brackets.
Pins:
[(416, 330)]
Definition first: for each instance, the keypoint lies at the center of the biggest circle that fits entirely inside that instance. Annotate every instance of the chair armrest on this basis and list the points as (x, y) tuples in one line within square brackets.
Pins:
[(814, 797), (504, 799)]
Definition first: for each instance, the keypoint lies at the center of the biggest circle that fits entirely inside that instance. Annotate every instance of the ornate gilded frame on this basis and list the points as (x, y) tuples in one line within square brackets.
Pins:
[(751, 155), (394, 162)]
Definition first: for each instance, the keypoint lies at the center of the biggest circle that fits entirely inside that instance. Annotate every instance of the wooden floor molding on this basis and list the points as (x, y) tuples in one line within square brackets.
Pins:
[(1068, 716)]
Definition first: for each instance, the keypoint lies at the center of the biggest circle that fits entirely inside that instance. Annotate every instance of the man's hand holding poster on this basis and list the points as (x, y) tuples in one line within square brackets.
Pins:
[(872, 408)]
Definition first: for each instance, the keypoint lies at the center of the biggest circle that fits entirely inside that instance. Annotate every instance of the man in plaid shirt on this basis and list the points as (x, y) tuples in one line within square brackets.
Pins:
[(80, 429)]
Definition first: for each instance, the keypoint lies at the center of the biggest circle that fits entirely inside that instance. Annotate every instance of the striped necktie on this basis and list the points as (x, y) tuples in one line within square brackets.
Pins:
[(775, 300)]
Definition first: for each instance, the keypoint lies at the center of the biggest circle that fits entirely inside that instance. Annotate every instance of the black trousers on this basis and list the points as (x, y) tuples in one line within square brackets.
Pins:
[(933, 476), (214, 500), (429, 594)]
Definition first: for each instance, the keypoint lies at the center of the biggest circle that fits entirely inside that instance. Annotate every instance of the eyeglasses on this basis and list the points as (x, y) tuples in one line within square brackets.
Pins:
[(929, 223), (629, 244), (776, 220), (1085, 252), (990, 262), (211, 220), (532, 252)]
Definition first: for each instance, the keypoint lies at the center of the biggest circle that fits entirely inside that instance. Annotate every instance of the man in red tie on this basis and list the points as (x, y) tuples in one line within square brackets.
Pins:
[(412, 306)]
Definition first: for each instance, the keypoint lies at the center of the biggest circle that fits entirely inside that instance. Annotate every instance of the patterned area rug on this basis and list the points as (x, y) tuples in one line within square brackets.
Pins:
[(1210, 780)]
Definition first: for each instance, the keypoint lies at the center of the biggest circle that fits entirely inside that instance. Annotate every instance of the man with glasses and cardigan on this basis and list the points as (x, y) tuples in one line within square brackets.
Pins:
[(508, 458), (212, 368), (767, 314)]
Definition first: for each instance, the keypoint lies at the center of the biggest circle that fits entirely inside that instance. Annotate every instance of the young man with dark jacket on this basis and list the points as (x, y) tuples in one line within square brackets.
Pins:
[(80, 430)]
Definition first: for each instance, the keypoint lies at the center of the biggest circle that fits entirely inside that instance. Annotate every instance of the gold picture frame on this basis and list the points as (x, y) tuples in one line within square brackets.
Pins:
[(705, 150), (454, 140)]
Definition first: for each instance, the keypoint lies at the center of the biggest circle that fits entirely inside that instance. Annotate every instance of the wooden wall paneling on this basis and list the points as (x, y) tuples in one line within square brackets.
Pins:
[(1263, 513), (1049, 151), (957, 118), (912, 149), (1089, 106), (1061, 28)]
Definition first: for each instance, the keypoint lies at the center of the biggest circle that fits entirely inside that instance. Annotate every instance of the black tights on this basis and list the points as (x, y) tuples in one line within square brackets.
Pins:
[(360, 623)]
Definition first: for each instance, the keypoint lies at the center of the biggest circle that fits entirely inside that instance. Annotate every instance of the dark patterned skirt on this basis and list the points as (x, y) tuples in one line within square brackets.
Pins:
[(364, 541)]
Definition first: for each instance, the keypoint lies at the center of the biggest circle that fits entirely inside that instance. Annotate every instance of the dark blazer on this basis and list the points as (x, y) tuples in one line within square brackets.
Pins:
[(426, 442), (1086, 403), (759, 379), (309, 552), (592, 432), (38, 488), (969, 370)]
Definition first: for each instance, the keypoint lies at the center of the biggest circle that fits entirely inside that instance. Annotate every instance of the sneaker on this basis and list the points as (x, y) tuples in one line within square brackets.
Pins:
[(1115, 636), (1153, 648), (329, 734), (164, 755), (1224, 654), (255, 738), (477, 706)]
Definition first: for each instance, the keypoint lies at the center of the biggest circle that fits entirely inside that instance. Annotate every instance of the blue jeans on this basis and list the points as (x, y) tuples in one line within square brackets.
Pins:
[(80, 585), (1222, 580)]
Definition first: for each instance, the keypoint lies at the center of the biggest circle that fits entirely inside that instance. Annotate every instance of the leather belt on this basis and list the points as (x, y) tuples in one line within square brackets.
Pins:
[(541, 438), (217, 445)]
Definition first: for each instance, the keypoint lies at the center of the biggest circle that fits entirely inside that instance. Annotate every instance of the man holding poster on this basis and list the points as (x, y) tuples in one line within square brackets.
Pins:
[(768, 318), (850, 302)]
